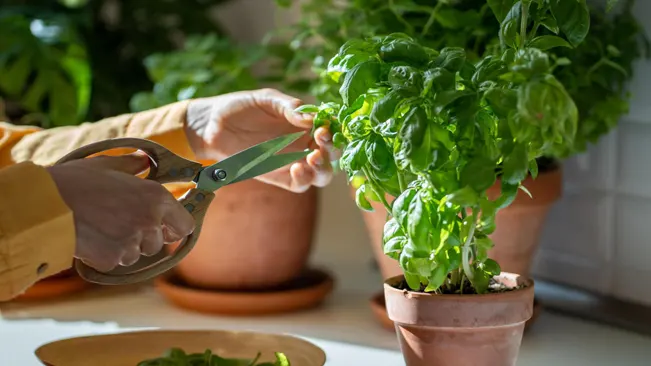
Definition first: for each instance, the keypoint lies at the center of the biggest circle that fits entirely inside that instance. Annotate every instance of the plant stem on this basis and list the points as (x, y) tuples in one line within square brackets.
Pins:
[(465, 254), (524, 21), (401, 182), (431, 19)]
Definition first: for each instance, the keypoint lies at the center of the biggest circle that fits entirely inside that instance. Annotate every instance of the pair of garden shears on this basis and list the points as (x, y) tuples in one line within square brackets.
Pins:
[(167, 167)]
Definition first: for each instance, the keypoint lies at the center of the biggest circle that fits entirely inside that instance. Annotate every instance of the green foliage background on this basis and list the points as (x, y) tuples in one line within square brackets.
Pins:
[(64, 62)]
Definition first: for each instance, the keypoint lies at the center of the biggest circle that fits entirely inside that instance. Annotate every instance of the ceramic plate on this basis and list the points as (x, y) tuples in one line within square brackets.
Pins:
[(128, 349)]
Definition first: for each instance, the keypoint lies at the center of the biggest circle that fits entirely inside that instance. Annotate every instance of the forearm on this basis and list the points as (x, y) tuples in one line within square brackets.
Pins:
[(37, 232), (165, 125)]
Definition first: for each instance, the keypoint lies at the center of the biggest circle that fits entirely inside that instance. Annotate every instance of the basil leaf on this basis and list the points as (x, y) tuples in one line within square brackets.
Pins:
[(515, 165), (418, 224), (451, 59), (358, 80), (508, 33), (403, 50), (353, 157), (573, 19), (361, 200), (500, 8), (479, 174), (406, 78), (547, 42)]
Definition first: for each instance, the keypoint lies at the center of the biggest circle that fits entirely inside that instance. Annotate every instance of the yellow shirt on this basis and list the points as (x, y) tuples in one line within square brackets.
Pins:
[(37, 233)]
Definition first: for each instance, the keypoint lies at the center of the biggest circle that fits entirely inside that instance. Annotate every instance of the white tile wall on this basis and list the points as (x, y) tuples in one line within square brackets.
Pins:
[(598, 236)]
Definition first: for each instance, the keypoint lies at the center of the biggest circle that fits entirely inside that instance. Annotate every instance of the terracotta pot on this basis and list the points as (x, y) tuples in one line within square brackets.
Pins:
[(460, 330), (519, 226), (375, 227), (254, 236)]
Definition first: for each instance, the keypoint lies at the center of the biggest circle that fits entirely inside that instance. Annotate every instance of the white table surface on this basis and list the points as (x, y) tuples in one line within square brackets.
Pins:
[(344, 327)]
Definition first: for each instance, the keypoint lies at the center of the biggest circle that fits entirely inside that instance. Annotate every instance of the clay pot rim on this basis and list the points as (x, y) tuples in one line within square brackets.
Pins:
[(389, 285)]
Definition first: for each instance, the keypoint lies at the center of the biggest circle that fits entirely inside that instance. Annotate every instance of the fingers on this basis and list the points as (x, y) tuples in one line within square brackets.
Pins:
[(178, 222), (152, 242), (283, 105)]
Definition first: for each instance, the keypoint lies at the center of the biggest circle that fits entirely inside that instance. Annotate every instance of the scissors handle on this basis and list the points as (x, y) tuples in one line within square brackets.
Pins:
[(165, 167)]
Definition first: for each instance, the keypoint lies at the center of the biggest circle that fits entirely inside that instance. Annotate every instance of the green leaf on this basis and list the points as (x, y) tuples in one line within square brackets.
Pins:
[(392, 229), (451, 59), (551, 24), (358, 80), (400, 208), (353, 157), (385, 107), (338, 140), (610, 4), (437, 278), (502, 101), (464, 197), (515, 165), (307, 108), (479, 174), (491, 267), (573, 17), (533, 168), (380, 158), (509, 27), (613, 51), (548, 42), (403, 50), (414, 148), (406, 78), (394, 246), (361, 200), (418, 224), (413, 281), (500, 8)]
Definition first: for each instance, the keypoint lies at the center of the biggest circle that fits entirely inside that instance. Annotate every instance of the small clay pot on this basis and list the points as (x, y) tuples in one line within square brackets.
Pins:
[(519, 226), (255, 236), (460, 330)]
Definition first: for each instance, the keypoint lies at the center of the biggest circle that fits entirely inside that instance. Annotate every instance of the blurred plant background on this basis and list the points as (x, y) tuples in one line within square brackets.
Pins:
[(67, 61)]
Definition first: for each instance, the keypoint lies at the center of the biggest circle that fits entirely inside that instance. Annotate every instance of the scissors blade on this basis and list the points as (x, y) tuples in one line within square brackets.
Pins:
[(272, 163), (240, 163)]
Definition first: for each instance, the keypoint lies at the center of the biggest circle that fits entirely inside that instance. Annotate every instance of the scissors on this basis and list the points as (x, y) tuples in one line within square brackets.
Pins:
[(167, 167)]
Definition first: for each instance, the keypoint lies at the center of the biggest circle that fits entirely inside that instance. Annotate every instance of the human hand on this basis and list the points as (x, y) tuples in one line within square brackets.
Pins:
[(218, 127), (118, 216)]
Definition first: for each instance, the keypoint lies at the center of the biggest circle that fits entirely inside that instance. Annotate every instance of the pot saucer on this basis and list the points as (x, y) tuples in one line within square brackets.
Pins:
[(378, 306), (53, 287), (305, 292), (130, 348)]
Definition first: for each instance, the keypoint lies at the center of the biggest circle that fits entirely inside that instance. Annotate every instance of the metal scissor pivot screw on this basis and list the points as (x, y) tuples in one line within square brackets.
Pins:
[(219, 174)]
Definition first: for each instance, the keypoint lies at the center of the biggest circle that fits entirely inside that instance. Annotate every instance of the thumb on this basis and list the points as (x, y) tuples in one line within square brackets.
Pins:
[(132, 164)]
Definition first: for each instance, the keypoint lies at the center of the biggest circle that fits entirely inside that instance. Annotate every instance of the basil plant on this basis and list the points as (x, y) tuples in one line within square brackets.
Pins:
[(435, 131)]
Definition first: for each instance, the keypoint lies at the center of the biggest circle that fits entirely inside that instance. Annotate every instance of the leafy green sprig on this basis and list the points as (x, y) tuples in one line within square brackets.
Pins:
[(594, 72), (178, 357), (435, 130)]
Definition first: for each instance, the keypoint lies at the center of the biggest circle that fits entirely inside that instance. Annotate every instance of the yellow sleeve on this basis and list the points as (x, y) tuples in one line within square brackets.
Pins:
[(37, 235)]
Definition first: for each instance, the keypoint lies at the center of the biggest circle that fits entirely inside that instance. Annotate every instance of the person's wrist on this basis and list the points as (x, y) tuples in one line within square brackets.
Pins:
[(197, 120)]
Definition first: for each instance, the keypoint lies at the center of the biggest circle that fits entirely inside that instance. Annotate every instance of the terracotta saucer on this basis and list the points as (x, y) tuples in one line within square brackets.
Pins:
[(305, 292), (130, 348), (378, 306), (55, 286)]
